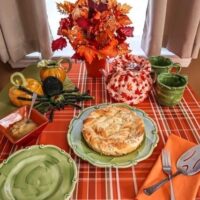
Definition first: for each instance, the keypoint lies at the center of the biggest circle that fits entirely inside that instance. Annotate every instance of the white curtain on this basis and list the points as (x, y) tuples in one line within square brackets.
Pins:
[(173, 24), (23, 29)]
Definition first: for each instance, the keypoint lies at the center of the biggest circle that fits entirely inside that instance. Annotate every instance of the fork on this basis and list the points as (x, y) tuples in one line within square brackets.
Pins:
[(166, 166)]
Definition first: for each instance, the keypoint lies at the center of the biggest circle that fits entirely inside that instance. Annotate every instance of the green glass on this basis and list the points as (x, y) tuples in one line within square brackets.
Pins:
[(162, 64), (78, 144), (170, 88)]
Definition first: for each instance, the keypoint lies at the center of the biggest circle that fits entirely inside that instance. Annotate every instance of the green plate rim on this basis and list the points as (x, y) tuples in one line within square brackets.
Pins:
[(103, 165), (75, 178)]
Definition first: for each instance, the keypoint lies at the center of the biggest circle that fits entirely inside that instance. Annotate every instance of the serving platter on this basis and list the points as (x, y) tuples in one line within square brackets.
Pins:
[(80, 148), (38, 172)]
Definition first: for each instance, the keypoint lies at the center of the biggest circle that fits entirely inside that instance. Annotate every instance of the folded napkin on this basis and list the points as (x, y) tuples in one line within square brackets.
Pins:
[(185, 187)]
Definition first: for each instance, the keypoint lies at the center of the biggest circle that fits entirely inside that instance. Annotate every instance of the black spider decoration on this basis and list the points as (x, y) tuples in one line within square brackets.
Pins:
[(55, 97)]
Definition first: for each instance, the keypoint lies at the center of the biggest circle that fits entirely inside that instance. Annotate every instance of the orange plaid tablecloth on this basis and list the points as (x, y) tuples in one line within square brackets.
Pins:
[(106, 183)]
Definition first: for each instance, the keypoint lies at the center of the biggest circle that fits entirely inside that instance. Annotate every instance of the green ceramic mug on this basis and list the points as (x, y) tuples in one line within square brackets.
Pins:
[(162, 64), (170, 88)]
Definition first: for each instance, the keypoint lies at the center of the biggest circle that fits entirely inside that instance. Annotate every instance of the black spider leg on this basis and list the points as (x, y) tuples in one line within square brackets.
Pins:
[(74, 105), (23, 89), (62, 105), (70, 91), (51, 115), (24, 99), (30, 99), (58, 106), (87, 93)]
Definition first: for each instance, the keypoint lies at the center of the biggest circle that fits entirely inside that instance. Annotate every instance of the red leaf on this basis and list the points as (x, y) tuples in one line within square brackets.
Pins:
[(65, 23), (125, 31), (99, 7), (83, 22), (92, 4), (59, 43), (121, 38), (102, 7), (77, 56)]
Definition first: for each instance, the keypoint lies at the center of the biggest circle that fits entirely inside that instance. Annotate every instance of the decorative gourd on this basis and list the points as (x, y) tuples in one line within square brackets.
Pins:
[(17, 79), (54, 68), (130, 79)]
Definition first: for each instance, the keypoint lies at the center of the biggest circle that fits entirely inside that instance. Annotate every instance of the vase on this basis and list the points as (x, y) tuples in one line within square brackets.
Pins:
[(95, 68)]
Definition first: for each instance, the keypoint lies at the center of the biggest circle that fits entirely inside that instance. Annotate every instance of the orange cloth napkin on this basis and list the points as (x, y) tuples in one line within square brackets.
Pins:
[(185, 187)]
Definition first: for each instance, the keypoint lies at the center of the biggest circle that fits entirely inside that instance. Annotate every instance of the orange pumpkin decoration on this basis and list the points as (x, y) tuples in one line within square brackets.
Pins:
[(54, 68), (29, 83)]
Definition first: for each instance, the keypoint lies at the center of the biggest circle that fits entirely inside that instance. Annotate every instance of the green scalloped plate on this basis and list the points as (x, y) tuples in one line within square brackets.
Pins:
[(77, 143), (38, 172)]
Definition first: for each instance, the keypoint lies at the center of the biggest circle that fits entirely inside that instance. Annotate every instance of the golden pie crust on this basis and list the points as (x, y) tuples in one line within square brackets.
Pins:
[(113, 130)]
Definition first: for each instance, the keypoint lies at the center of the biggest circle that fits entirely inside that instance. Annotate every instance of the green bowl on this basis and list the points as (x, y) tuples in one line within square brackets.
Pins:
[(78, 144), (170, 88), (38, 173)]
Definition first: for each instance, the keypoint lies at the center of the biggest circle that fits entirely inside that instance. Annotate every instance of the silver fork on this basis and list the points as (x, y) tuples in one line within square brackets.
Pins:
[(166, 166)]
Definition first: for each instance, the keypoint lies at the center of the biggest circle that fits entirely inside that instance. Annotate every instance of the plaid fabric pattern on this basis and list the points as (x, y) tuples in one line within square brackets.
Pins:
[(106, 183)]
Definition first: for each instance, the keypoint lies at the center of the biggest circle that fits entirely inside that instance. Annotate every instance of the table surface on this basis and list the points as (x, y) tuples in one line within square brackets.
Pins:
[(107, 183)]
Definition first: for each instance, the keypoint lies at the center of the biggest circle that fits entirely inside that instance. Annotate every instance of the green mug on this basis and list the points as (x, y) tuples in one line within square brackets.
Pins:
[(170, 88), (162, 64)]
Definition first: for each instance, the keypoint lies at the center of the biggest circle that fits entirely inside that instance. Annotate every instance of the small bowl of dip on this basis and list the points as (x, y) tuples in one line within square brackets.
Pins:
[(18, 129)]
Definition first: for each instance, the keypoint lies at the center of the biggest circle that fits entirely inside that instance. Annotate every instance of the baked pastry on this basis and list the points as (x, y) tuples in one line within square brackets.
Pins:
[(113, 130)]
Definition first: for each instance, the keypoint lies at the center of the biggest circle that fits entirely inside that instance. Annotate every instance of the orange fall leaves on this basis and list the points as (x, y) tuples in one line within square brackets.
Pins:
[(97, 34)]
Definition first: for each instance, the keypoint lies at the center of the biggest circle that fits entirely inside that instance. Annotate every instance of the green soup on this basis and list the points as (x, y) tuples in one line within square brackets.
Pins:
[(172, 80), (160, 61)]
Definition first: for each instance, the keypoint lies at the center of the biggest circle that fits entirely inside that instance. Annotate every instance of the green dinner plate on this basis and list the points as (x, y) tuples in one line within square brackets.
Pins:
[(77, 143), (38, 172)]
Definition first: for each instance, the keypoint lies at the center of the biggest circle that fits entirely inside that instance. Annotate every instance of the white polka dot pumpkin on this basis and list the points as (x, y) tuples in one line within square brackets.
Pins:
[(129, 80)]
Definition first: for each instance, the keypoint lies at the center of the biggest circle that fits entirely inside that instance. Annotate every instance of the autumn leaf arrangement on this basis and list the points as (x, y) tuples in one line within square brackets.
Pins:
[(94, 28)]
